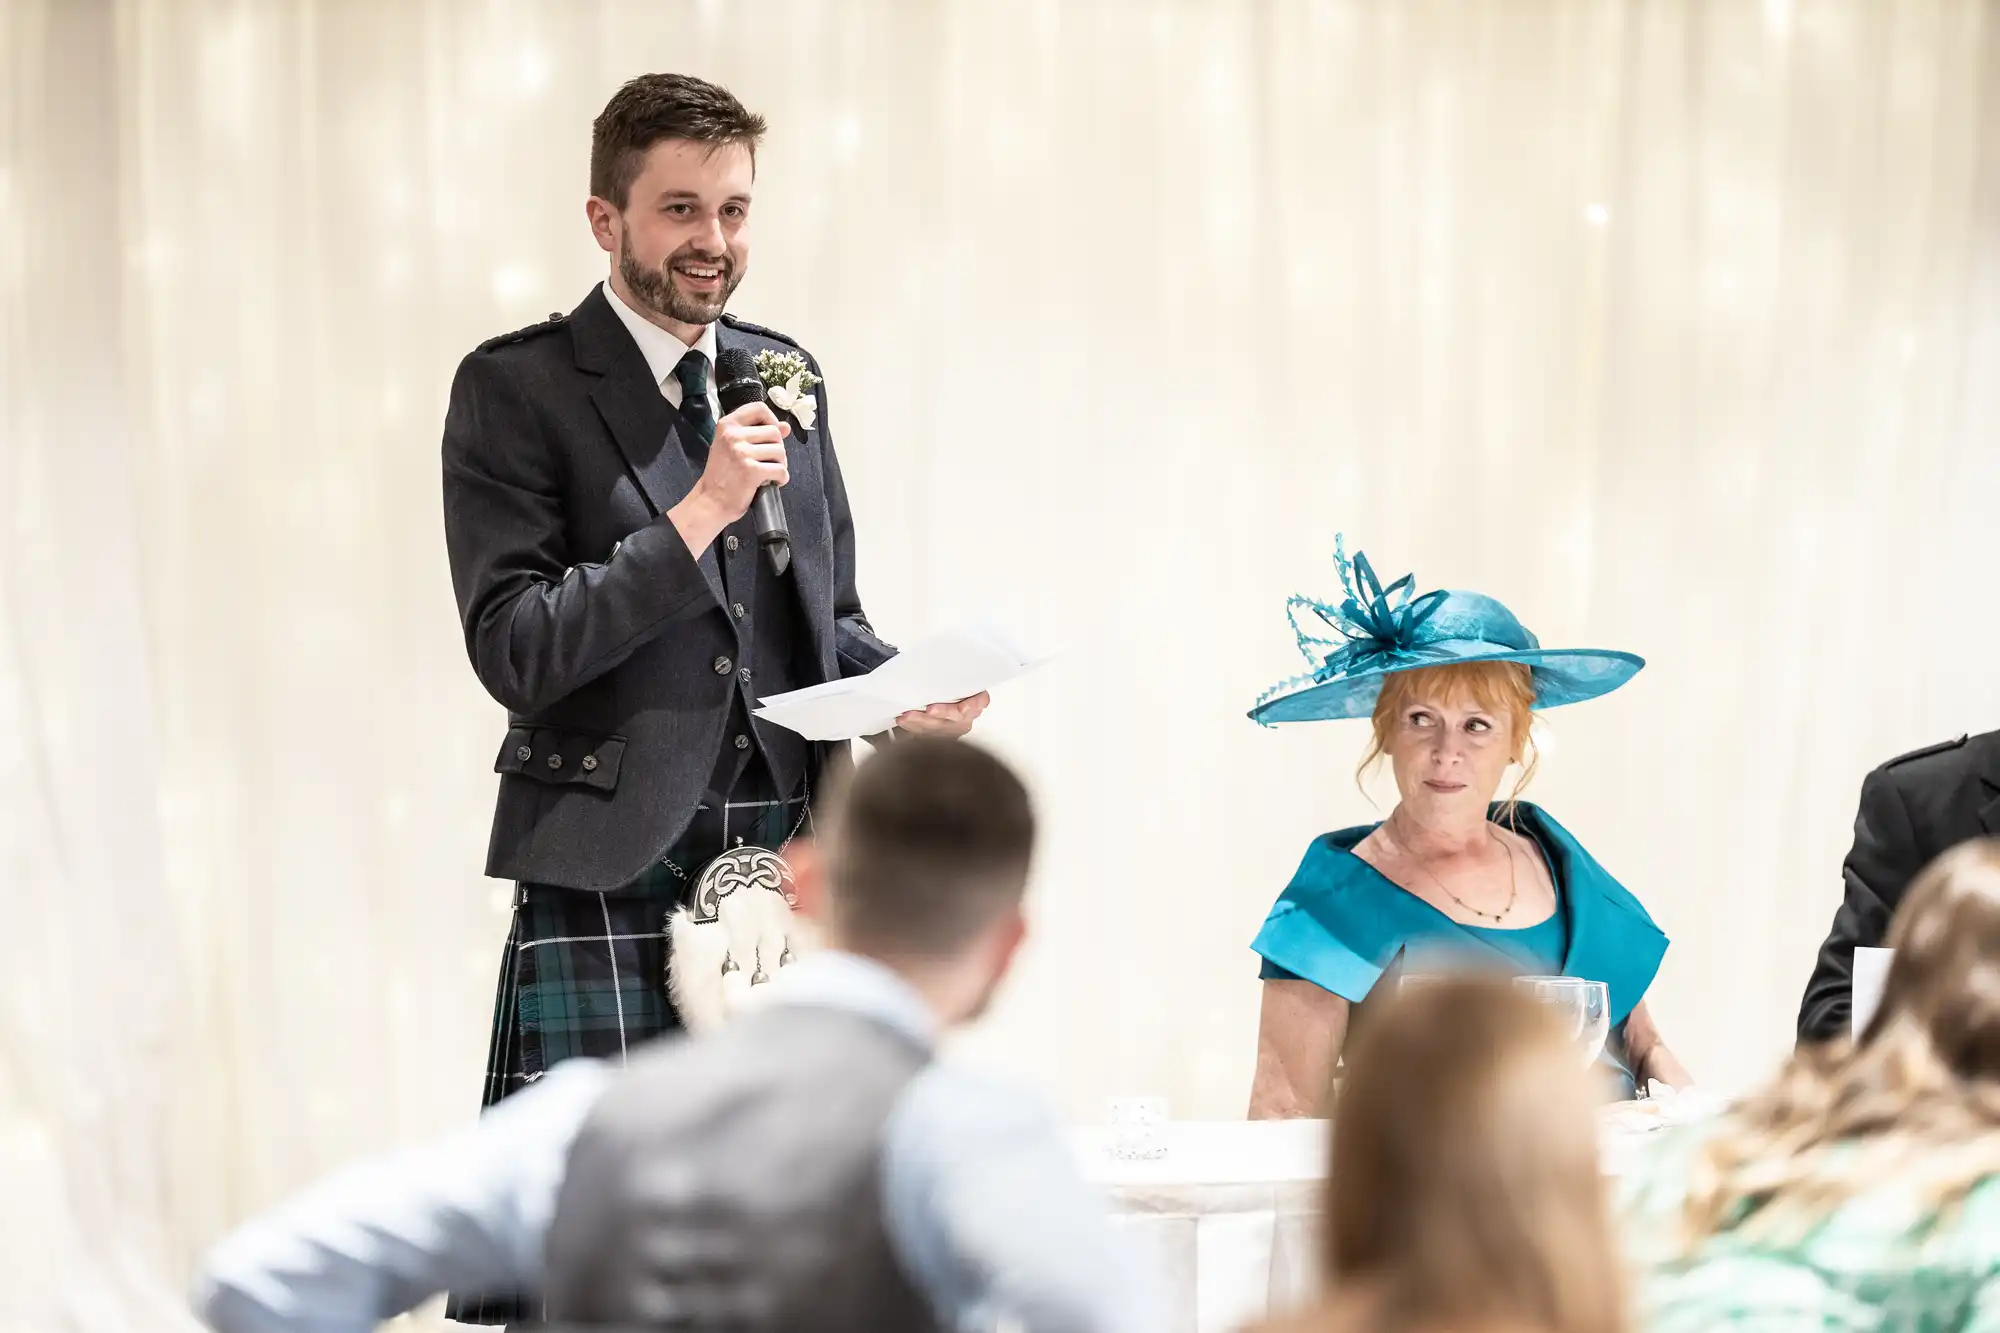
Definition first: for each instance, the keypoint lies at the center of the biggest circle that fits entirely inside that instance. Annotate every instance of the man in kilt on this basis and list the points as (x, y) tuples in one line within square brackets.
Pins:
[(615, 599)]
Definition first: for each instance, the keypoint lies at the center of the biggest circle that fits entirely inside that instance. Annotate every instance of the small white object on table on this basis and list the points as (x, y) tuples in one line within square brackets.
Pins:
[(1228, 1210)]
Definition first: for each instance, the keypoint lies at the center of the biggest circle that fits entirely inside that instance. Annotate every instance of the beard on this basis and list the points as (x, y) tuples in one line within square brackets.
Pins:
[(659, 291)]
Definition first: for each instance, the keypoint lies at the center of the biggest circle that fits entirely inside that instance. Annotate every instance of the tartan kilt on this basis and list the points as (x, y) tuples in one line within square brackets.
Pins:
[(585, 974)]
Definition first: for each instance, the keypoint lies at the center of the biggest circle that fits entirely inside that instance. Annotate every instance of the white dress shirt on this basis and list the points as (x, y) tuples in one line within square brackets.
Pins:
[(663, 351), (982, 1199)]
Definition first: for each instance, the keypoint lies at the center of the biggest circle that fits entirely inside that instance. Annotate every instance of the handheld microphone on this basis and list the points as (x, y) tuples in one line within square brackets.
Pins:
[(737, 383)]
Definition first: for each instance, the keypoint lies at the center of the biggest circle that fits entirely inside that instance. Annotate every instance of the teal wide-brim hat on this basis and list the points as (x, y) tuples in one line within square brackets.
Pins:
[(1376, 631)]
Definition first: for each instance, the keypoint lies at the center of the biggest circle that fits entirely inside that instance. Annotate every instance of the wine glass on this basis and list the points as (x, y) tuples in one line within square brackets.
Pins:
[(1583, 1005)]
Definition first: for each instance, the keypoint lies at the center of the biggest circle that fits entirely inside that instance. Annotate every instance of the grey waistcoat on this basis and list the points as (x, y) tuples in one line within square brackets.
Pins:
[(732, 1182)]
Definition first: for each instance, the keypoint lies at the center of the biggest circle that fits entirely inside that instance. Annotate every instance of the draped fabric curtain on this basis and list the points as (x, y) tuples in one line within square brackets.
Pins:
[(1676, 326), (92, 976)]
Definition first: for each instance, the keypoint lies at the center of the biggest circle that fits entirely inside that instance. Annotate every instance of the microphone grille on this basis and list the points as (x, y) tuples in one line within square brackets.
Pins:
[(733, 364)]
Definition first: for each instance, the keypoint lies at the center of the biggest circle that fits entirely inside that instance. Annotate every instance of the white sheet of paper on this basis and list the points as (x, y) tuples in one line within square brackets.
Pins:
[(1871, 969), (952, 665)]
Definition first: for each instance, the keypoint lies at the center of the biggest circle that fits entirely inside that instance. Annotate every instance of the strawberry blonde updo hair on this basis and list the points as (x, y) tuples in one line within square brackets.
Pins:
[(1505, 689)]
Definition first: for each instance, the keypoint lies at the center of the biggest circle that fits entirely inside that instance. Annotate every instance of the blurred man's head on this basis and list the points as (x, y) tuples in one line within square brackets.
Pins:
[(921, 863)]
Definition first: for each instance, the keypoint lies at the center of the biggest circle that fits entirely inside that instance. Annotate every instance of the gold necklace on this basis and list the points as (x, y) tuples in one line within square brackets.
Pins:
[(1513, 879)]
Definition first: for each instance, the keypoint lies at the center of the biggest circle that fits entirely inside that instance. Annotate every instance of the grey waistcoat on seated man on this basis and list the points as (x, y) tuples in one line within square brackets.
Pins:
[(732, 1182)]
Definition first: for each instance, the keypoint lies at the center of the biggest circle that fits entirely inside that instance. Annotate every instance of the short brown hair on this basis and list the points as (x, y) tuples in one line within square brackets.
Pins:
[(1464, 1188), (926, 847), (654, 107)]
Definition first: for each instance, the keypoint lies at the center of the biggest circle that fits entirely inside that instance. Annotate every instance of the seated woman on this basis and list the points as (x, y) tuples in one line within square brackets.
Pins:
[(1505, 1228), (1861, 1187), (1450, 877)]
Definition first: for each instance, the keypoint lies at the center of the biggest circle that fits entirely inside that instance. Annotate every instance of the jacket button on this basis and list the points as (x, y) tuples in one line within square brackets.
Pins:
[(736, 609), (525, 753), (555, 761), (590, 763), (730, 543), (742, 742), (722, 666), (744, 675)]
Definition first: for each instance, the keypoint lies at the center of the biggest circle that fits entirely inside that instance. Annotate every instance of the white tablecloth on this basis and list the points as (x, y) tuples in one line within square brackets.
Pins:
[(1229, 1216)]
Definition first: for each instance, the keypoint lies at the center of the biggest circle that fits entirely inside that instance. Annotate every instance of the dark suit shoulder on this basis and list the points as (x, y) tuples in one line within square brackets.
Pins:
[(552, 324), (759, 331), (1928, 752)]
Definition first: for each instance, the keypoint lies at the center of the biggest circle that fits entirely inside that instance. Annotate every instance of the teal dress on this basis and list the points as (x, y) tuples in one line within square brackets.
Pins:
[(1342, 925)]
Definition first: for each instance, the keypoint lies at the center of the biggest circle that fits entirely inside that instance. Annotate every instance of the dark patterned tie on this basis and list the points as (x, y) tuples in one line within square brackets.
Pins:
[(692, 372)]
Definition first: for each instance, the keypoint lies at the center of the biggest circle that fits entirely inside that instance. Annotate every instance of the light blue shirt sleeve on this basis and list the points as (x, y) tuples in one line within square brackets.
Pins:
[(469, 1211), (991, 1218)]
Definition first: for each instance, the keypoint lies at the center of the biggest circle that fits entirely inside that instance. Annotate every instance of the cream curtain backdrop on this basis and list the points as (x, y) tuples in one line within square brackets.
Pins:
[(1676, 326)]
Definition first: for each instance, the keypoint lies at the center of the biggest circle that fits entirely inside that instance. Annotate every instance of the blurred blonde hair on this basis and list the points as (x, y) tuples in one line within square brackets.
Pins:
[(1916, 1101), (1503, 688), (1465, 1190)]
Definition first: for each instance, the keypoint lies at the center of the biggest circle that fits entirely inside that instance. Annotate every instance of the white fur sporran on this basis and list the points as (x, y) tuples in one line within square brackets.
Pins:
[(732, 938)]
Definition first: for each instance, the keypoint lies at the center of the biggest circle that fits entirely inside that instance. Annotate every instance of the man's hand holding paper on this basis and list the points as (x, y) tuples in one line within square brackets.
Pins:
[(958, 667)]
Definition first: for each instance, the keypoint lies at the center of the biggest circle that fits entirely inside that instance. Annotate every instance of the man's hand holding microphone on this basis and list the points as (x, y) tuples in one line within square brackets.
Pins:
[(748, 453), (746, 467)]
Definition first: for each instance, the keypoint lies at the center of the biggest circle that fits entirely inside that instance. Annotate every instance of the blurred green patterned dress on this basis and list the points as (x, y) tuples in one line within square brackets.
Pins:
[(1881, 1261)]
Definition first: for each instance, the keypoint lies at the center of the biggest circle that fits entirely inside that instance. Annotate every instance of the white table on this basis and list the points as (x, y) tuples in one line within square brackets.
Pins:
[(1230, 1215)]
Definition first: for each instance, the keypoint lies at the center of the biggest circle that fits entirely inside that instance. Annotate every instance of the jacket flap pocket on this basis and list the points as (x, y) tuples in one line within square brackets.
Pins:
[(561, 756)]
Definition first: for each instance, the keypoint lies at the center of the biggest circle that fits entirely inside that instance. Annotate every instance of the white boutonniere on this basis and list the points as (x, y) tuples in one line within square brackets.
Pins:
[(788, 385)]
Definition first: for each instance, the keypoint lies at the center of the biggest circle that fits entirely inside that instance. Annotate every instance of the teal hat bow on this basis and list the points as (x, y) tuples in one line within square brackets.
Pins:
[(1374, 631)]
